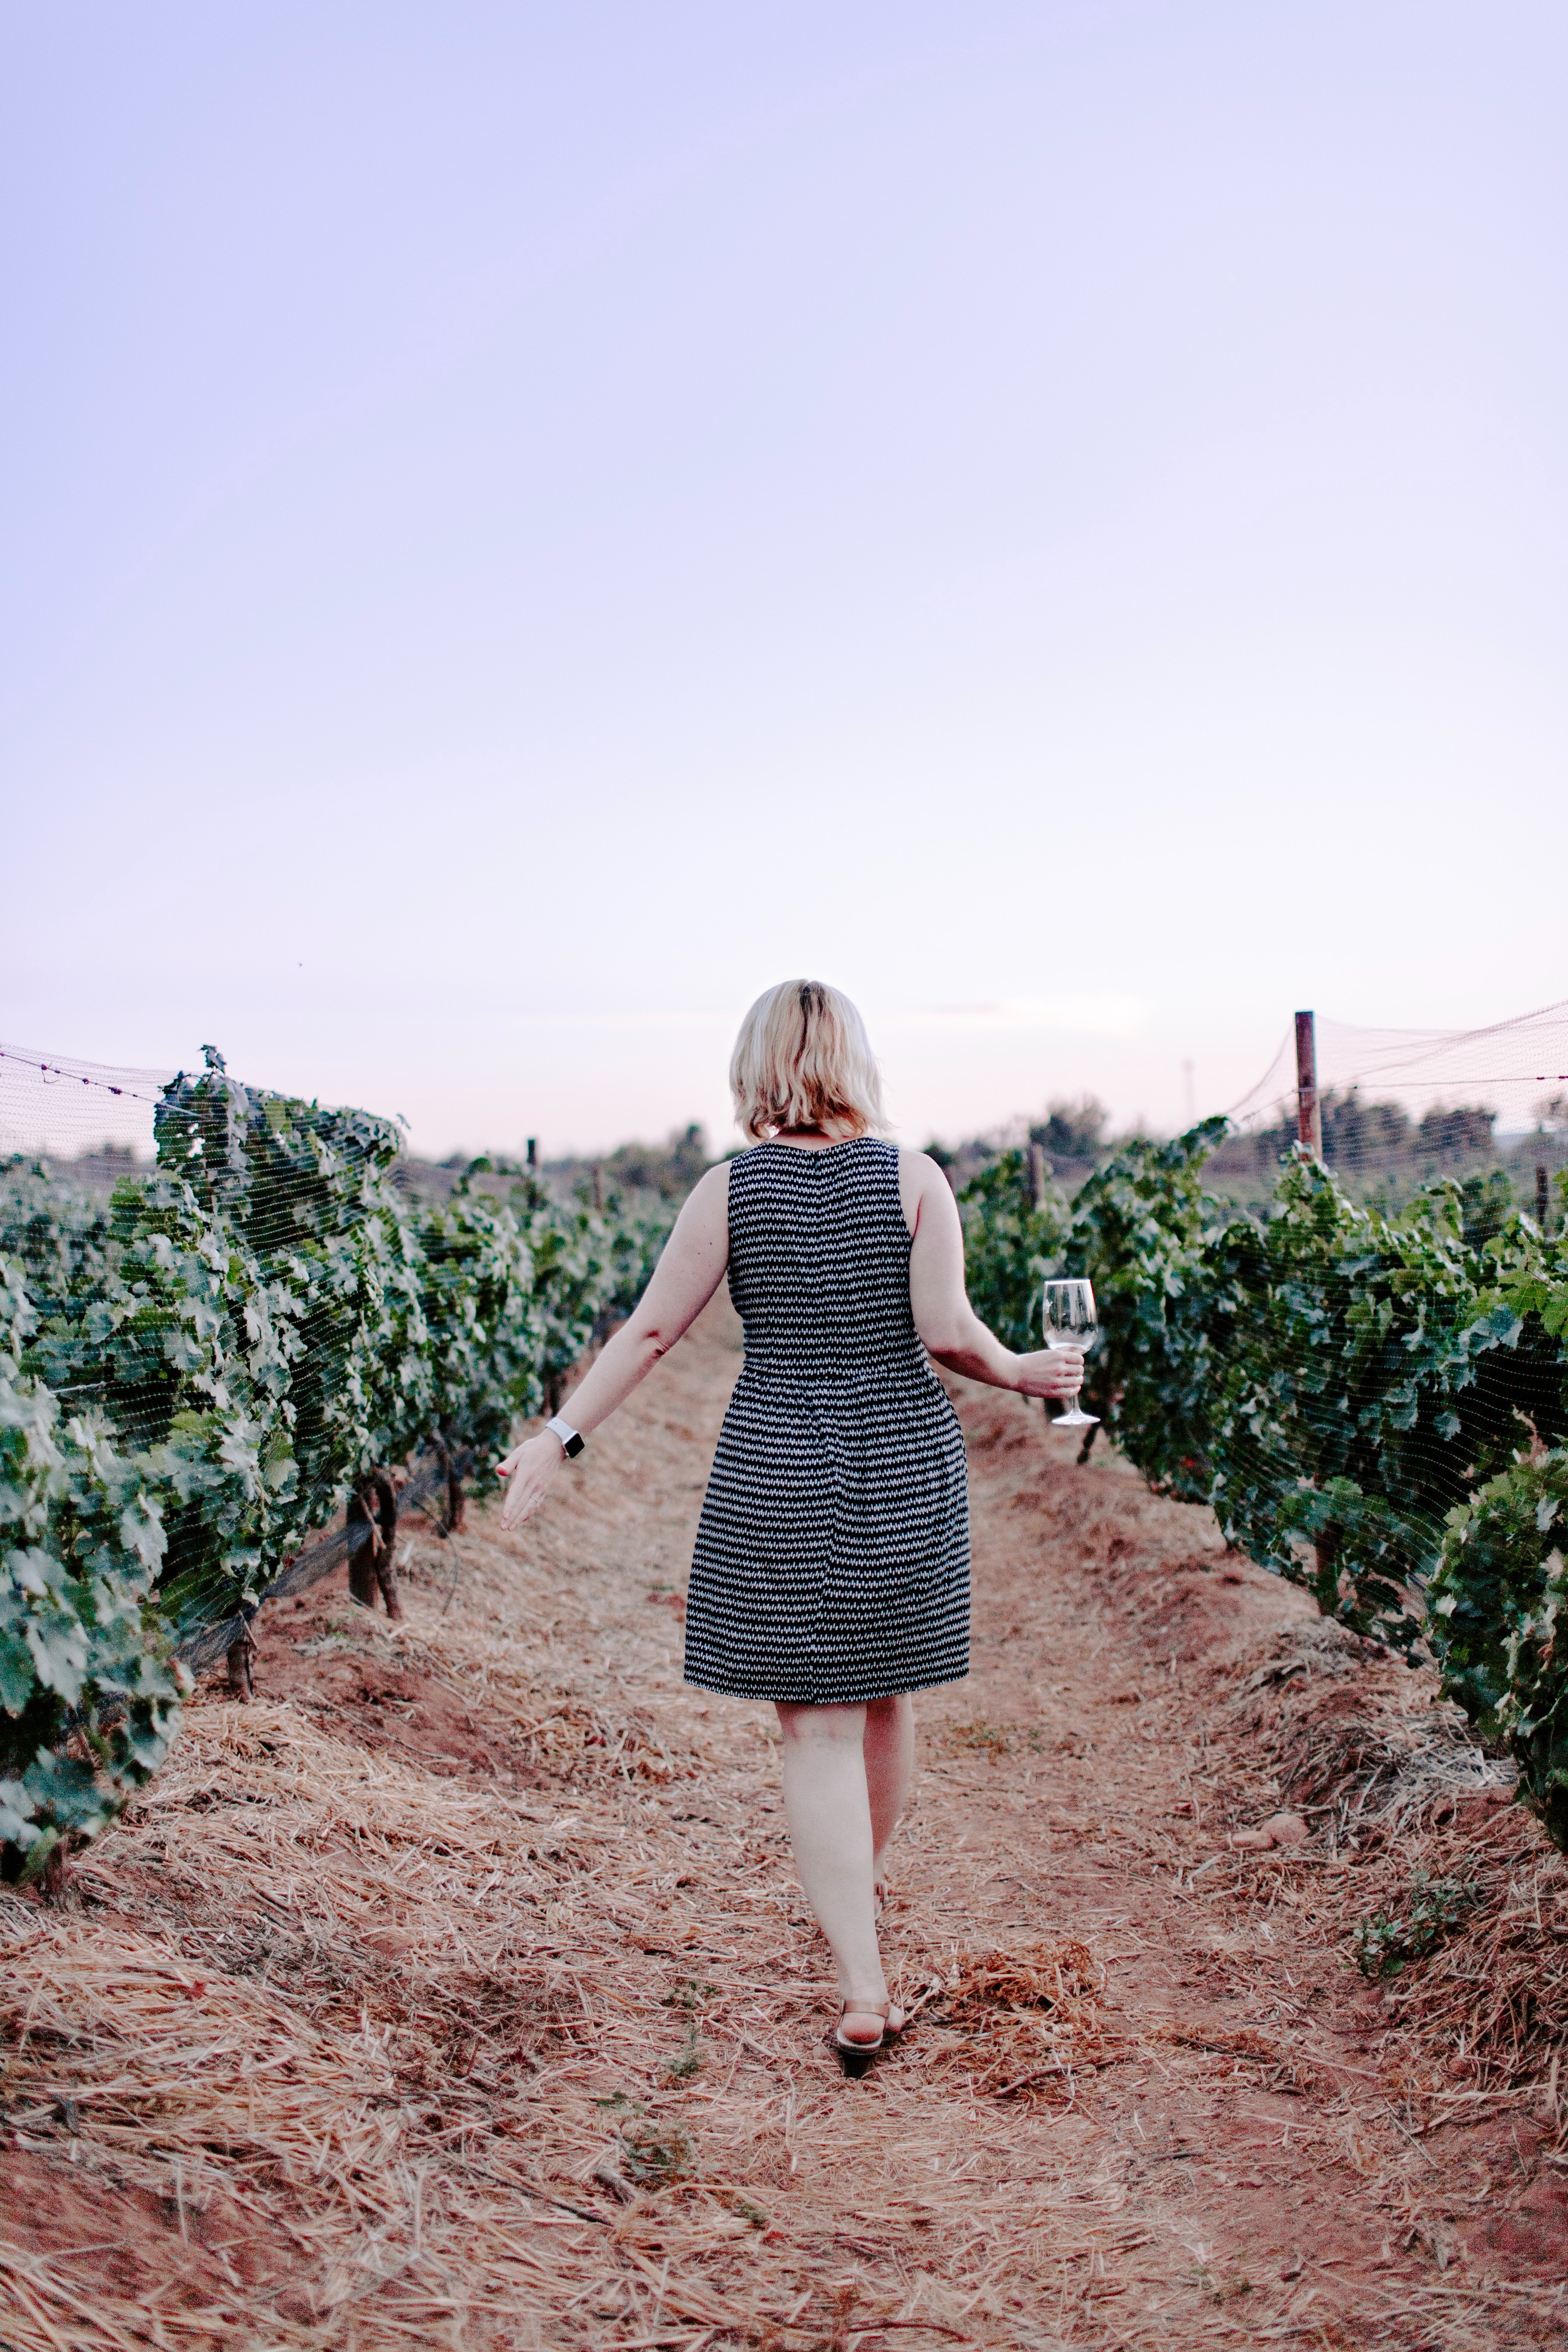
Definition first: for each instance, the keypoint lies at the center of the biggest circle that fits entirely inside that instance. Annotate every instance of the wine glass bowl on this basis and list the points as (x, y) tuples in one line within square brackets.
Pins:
[(1068, 1318)]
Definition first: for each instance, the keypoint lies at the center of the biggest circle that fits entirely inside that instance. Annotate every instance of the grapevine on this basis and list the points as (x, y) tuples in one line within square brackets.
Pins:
[(1363, 1398), (197, 1376)]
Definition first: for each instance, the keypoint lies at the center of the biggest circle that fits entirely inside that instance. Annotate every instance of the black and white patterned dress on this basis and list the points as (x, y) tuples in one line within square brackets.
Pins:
[(832, 1558)]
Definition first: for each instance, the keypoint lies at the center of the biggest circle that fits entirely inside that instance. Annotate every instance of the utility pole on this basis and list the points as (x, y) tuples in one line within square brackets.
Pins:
[(1308, 1109)]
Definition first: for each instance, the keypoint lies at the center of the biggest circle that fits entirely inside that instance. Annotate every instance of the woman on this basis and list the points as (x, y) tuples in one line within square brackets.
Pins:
[(831, 1573)]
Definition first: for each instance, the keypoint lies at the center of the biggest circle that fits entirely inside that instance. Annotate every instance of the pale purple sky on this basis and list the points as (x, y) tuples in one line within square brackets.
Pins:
[(523, 526)]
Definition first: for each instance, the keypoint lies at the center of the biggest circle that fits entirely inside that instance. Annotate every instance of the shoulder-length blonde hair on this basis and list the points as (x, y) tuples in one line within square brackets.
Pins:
[(803, 1059)]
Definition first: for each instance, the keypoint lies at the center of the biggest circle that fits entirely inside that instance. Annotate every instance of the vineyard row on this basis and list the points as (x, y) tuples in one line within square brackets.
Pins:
[(1375, 1403), (198, 1373)]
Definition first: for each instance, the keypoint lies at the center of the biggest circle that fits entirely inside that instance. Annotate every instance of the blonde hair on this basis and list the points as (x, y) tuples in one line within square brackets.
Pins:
[(803, 1059)]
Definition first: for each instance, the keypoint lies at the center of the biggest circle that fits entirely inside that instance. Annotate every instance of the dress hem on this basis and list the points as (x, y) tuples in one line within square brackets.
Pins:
[(833, 1698)]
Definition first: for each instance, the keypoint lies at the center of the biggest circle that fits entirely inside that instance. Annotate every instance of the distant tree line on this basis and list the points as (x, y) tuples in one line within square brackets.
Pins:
[(668, 1170)]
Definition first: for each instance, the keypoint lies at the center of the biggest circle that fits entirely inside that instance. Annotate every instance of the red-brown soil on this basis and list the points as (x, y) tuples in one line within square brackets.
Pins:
[(459, 1991)]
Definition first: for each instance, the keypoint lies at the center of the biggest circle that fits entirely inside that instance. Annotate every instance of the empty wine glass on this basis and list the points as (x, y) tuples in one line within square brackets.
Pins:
[(1070, 1321)]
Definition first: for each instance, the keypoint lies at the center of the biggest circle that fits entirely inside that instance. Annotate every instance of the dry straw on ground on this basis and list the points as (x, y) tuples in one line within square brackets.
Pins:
[(457, 1992)]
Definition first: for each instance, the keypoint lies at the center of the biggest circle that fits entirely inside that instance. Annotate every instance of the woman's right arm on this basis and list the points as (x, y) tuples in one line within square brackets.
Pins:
[(948, 1327), (690, 1268)]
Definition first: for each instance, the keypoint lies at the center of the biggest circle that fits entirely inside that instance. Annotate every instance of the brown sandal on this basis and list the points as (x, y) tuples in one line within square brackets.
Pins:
[(856, 2056)]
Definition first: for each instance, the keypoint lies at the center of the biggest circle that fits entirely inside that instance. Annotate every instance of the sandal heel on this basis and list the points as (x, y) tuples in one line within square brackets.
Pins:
[(856, 2057)]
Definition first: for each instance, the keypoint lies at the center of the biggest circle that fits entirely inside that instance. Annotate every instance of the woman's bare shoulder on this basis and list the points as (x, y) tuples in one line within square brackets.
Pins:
[(919, 1179), (708, 1202), (703, 1224), (712, 1188), (918, 1166)]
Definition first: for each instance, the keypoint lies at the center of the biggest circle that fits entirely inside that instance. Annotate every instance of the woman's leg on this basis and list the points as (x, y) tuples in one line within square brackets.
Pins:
[(890, 1747), (829, 1809)]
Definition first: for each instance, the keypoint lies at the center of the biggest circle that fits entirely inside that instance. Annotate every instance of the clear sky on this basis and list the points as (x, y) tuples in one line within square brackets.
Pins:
[(524, 524)]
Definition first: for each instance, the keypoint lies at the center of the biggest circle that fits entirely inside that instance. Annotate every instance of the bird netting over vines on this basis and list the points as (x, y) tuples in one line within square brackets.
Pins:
[(1401, 1106), (1360, 1361), (221, 1310)]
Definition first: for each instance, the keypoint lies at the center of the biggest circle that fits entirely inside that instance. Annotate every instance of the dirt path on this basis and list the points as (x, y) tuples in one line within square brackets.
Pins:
[(459, 1991)]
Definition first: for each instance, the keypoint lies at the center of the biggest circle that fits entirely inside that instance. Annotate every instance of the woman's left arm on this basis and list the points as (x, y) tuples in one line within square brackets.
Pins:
[(690, 1270), (949, 1328)]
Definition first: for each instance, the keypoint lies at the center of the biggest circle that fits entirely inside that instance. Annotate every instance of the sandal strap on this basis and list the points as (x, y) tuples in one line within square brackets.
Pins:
[(882, 2008)]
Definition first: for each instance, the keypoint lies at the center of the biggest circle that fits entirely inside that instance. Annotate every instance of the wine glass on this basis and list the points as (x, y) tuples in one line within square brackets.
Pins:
[(1069, 1320)]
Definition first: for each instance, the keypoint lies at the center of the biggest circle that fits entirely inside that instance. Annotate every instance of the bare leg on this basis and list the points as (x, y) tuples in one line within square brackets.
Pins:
[(829, 1809), (890, 1747)]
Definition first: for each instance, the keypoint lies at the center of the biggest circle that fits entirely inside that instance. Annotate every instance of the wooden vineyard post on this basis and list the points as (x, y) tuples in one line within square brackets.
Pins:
[(1036, 1175), (532, 1149), (1543, 1199), (1308, 1109), (1310, 1131)]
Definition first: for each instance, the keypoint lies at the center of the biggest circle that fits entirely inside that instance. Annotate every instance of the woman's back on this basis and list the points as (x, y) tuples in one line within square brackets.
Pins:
[(832, 1560), (820, 1259)]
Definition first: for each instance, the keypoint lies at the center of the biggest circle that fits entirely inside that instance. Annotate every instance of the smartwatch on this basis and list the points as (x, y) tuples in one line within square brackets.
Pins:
[(571, 1439)]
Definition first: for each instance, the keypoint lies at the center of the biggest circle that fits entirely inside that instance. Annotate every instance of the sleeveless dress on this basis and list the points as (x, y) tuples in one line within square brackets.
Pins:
[(832, 1558)]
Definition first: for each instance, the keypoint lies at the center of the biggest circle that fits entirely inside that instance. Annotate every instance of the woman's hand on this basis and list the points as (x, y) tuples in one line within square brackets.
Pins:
[(1050, 1373), (528, 1470)]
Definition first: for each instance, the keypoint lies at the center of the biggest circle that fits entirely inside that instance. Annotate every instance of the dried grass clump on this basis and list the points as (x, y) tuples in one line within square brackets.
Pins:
[(1371, 1767), (312, 1878), (1018, 2020), (1058, 1976)]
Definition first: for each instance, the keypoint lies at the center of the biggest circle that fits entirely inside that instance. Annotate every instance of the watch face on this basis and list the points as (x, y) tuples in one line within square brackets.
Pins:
[(574, 1444)]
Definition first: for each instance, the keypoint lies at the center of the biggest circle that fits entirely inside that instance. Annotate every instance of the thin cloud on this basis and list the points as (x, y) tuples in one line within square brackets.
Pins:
[(1107, 1013)]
